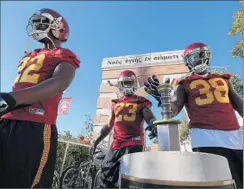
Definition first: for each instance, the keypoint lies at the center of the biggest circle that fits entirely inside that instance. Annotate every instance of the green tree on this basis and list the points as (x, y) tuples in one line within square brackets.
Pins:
[(238, 84), (75, 153), (236, 81), (237, 29), (87, 131), (183, 131)]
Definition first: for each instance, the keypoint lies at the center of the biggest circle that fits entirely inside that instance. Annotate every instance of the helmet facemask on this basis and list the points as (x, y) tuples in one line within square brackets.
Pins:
[(39, 27), (127, 86), (198, 60)]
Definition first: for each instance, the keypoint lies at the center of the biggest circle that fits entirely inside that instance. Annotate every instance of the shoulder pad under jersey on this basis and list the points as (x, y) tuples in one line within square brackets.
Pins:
[(67, 56), (33, 53), (225, 76), (144, 100), (64, 51), (115, 100), (181, 79)]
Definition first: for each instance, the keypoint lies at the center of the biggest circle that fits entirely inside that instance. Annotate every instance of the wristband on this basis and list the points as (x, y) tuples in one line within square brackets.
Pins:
[(6, 102)]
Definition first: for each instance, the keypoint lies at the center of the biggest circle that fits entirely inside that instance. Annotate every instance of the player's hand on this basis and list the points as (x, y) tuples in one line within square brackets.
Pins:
[(150, 86), (93, 148), (7, 103), (153, 131)]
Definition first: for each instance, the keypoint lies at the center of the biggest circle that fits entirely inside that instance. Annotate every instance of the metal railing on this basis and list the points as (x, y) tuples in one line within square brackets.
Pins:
[(68, 143), (102, 145)]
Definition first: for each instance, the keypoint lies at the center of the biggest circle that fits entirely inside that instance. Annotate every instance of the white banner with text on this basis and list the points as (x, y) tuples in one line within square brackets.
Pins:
[(151, 59)]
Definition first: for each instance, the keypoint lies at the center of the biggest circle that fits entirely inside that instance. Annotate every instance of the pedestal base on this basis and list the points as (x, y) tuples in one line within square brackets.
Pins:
[(174, 170), (133, 182), (168, 135)]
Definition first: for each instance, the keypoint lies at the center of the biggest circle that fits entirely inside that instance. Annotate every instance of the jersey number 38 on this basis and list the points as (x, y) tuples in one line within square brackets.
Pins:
[(220, 93)]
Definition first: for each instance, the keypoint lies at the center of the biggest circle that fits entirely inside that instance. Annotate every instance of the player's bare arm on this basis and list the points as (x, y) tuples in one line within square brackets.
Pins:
[(178, 99), (236, 100), (149, 118), (106, 129), (61, 79), (148, 115)]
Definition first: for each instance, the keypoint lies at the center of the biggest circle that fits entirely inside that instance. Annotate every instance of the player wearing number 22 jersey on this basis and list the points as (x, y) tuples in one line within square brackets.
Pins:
[(209, 100), (28, 133), (127, 116), (35, 68)]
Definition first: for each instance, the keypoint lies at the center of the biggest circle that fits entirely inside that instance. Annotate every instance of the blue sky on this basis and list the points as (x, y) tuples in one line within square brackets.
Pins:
[(107, 29)]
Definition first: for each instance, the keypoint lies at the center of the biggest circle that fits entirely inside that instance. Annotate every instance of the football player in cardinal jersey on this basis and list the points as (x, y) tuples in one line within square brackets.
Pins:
[(28, 133), (127, 118), (210, 100)]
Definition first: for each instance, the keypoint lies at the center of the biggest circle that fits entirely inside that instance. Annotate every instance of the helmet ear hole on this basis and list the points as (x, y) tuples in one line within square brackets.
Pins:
[(54, 33), (208, 61), (189, 68)]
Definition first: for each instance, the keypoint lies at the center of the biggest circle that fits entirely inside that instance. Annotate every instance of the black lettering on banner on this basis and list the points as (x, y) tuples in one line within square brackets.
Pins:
[(114, 62), (133, 60), (147, 58), (166, 57), (141, 59)]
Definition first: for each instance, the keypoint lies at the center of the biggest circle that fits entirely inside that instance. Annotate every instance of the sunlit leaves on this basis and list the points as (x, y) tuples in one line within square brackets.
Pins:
[(237, 28)]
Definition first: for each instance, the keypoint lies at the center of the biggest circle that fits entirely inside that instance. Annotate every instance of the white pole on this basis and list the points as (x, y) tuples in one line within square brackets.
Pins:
[(186, 115), (65, 154)]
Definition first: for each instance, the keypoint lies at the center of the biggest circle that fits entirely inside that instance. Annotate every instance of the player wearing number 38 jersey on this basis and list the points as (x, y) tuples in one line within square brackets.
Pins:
[(28, 134), (127, 116), (210, 100)]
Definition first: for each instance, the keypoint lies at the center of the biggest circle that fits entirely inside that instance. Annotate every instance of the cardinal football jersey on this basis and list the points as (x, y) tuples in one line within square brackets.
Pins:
[(35, 68), (128, 124), (208, 103)]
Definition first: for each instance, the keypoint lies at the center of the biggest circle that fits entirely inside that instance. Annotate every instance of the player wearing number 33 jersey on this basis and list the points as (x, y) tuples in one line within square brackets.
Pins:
[(210, 100), (28, 133), (127, 116)]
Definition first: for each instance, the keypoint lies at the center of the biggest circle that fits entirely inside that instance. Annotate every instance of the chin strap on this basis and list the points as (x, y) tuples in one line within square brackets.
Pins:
[(27, 44), (48, 45), (200, 68)]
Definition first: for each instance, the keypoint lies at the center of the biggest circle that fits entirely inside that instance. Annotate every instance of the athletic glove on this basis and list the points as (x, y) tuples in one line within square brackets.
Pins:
[(153, 131), (150, 86), (7, 103)]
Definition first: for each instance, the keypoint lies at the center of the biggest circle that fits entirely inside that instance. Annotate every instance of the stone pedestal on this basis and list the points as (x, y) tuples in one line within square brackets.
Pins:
[(168, 135), (174, 169)]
